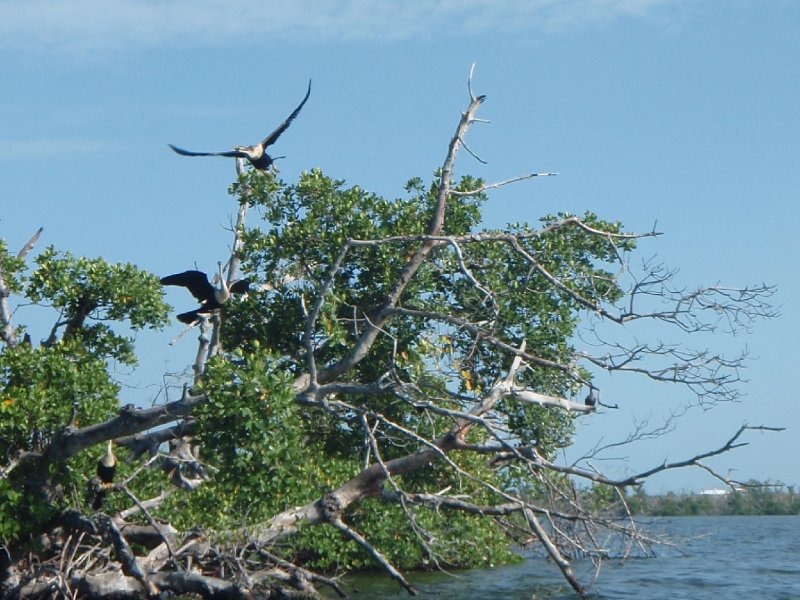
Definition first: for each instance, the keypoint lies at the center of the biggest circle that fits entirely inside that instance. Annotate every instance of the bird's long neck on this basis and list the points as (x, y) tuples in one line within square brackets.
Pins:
[(109, 460), (222, 293)]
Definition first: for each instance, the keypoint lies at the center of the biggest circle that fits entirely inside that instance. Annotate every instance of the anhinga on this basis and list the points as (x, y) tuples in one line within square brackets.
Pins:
[(210, 298), (257, 153), (106, 467)]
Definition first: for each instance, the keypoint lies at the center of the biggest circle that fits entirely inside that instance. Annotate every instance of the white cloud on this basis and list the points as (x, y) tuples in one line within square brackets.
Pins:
[(99, 25)]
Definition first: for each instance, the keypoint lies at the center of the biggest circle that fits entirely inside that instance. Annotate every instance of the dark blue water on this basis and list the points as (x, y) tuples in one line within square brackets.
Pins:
[(715, 558)]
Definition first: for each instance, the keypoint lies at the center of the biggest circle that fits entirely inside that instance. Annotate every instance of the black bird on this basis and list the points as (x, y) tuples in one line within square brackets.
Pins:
[(257, 153), (592, 398), (106, 467), (210, 298)]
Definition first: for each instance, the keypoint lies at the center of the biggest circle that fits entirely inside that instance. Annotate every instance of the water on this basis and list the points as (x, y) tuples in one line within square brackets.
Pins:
[(716, 557)]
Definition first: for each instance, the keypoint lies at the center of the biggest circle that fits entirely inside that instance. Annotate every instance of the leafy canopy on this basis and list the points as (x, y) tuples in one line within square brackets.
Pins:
[(266, 451), (65, 380)]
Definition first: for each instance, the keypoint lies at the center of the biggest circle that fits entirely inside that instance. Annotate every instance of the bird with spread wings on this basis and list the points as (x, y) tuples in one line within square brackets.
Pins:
[(200, 287), (257, 153)]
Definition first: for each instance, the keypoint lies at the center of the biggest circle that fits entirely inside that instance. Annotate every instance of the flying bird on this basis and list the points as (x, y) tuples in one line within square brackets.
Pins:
[(210, 298), (106, 467), (257, 153)]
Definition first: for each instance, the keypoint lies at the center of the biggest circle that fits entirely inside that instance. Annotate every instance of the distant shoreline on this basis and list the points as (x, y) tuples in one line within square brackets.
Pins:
[(753, 499)]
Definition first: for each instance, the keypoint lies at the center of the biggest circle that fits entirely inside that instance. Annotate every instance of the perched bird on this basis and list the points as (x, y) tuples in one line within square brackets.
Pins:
[(210, 298), (106, 467), (592, 398), (257, 153)]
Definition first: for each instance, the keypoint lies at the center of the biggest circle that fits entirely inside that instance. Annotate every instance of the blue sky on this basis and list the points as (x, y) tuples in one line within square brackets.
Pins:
[(679, 112)]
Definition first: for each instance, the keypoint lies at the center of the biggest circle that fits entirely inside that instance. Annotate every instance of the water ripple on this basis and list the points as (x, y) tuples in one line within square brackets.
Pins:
[(721, 557)]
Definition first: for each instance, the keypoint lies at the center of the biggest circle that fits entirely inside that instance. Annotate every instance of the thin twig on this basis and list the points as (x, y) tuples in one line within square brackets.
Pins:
[(498, 184)]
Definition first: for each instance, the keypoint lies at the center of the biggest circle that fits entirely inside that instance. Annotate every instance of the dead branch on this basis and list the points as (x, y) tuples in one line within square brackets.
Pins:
[(125, 555), (15, 461), (367, 338), (203, 348), (332, 583), (130, 421), (113, 585), (545, 400), (379, 558), (726, 447), (499, 184), (149, 442), (241, 217), (148, 504), (483, 335), (508, 238), (554, 553), (165, 536), (7, 333)]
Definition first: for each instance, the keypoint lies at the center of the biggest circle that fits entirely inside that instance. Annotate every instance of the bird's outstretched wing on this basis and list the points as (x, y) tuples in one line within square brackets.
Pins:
[(241, 286), (183, 152), (273, 137), (195, 281)]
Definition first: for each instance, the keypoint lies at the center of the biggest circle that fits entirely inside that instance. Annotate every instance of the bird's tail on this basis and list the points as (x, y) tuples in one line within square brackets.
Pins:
[(188, 317), (99, 499)]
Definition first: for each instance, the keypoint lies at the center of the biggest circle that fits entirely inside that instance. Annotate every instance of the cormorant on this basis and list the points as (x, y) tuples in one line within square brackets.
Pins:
[(592, 398), (106, 467), (257, 153), (210, 298)]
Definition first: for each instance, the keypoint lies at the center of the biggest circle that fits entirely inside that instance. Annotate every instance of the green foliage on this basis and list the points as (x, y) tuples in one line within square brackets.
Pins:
[(599, 498), (65, 381), (306, 226), (266, 452), (43, 386), (253, 433), (452, 539), (446, 538), (11, 267), (84, 288), (11, 501), (120, 291), (268, 455), (43, 389), (308, 223)]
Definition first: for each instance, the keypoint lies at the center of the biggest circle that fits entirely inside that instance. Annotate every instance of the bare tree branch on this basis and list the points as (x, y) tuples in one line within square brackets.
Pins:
[(153, 523), (365, 341), (731, 444), (7, 333), (490, 186), (379, 558)]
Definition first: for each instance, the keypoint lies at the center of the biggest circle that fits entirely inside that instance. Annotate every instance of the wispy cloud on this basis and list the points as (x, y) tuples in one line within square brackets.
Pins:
[(98, 25)]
